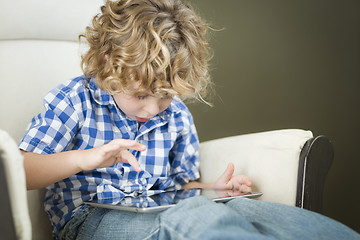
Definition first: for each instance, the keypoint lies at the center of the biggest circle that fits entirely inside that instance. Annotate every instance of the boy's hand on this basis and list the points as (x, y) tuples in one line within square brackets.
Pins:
[(237, 183), (111, 153)]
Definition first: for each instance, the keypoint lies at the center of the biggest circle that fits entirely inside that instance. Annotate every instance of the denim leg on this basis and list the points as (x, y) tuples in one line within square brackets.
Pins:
[(115, 224), (74, 226), (287, 222), (106, 224), (200, 218)]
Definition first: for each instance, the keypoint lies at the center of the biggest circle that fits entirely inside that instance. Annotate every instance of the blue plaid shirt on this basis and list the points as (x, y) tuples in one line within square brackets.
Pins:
[(79, 115)]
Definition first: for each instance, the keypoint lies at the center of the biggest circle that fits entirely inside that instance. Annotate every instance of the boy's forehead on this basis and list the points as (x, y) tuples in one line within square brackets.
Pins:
[(134, 88)]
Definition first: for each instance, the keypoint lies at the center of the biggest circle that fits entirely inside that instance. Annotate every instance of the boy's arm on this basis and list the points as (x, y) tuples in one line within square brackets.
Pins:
[(196, 184), (225, 182), (43, 170)]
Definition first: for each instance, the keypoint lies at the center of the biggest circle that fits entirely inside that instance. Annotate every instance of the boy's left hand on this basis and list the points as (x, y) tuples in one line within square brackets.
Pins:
[(240, 183)]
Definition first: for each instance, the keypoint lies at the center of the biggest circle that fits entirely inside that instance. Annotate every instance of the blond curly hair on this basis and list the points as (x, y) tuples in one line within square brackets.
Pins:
[(160, 43)]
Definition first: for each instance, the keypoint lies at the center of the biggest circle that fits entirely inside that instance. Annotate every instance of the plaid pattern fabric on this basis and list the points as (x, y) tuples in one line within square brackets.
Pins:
[(79, 115), (161, 198)]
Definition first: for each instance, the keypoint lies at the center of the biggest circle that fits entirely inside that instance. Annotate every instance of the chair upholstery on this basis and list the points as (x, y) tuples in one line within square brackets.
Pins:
[(39, 49), (270, 159), (12, 163)]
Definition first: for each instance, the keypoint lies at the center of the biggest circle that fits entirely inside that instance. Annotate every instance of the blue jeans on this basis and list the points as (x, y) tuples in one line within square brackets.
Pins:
[(200, 218)]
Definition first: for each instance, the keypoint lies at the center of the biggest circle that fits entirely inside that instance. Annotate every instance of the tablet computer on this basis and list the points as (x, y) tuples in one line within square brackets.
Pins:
[(162, 200)]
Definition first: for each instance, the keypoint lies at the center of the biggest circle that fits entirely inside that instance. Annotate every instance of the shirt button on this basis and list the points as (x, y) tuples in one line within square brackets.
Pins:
[(136, 194)]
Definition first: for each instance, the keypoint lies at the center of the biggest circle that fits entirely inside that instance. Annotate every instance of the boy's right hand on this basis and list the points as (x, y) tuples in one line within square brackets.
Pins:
[(111, 153)]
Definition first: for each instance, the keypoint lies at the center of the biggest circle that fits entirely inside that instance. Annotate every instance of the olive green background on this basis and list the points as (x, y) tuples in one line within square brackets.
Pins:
[(289, 64)]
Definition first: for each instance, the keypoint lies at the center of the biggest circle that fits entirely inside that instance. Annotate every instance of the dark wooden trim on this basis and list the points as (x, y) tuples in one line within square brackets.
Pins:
[(7, 227), (316, 158)]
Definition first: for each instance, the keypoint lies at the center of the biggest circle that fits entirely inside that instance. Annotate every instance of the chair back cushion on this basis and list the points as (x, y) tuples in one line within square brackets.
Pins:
[(39, 49)]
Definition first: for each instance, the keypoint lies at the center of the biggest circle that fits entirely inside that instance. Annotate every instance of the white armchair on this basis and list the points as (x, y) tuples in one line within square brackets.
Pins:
[(39, 49)]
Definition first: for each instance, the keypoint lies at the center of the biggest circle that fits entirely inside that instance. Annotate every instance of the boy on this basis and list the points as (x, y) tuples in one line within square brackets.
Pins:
[(122, 130)]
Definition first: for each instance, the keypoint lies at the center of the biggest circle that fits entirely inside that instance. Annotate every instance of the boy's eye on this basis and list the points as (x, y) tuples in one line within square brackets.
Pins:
[(142, 97)]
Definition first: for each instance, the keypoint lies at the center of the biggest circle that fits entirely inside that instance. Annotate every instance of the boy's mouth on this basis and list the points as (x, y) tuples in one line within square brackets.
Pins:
[(139, 119)]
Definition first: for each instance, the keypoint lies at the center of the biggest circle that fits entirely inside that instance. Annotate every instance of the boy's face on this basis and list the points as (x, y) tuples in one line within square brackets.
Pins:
[(141, 108)]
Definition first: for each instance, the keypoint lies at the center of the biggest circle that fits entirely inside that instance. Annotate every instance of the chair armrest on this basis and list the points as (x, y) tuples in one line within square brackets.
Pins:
[(315, 161), (15, 175), (270, 159), (7, 227)]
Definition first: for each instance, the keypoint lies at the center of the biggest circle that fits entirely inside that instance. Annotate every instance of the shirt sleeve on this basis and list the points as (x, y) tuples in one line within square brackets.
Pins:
[(53, 130), (185, 156)]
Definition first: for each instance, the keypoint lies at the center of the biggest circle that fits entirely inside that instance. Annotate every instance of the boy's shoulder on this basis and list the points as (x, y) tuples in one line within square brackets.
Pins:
[(79, 88), (74, 91), (76, 84)]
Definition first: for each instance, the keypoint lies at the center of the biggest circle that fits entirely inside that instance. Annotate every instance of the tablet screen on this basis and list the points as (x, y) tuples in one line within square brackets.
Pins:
[(165, 199)]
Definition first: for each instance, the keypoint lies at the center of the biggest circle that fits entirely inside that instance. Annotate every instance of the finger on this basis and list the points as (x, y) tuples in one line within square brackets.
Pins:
[(242, 188), (126, 156), (224, 181), (242, 180), (228, 173), (128, 144), (230, 193), (245, 189), (111, 147), (109, 150)]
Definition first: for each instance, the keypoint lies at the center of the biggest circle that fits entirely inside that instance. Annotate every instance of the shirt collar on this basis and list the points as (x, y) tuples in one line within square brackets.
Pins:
[(174, 107), (100, 96)]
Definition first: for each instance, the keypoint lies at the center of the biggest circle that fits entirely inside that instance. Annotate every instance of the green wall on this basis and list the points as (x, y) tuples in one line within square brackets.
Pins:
[(289, 64)]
